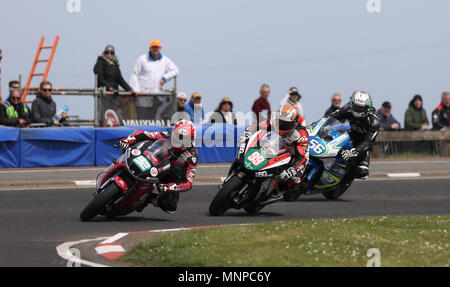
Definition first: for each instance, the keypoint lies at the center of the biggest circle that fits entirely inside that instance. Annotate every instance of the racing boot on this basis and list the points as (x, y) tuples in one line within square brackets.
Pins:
[(294, 189), (152, 198)]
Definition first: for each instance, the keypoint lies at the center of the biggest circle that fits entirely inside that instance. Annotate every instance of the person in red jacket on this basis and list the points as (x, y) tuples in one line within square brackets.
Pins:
[(261, 106), (183, 163)]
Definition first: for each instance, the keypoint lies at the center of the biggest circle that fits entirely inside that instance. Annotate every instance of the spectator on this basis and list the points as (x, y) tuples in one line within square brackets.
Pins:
[(13, 112), (261, 106), (194, 107), (13, 85), (180, 113), (181, 102), (1, 97), (416, 116), (108, 71), (336, 101), (387, 120), (43, 108), (293, 98), (441, 115), (150, 73), (224, 113)]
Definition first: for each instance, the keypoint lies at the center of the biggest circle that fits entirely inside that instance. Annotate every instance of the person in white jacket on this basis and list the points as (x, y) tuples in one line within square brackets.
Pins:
[(293, 98), (150, 73)]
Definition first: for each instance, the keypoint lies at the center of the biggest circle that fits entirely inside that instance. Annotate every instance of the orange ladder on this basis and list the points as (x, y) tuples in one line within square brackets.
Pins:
[(36, 61)]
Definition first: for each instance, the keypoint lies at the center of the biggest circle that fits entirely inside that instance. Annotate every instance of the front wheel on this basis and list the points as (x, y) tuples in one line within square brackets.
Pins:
[(222, 201), (335, 194), (100, 202)]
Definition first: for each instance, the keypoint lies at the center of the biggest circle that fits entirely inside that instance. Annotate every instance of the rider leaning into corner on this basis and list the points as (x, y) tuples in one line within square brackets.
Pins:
[(364, 125), (289, 124), (183, 162)]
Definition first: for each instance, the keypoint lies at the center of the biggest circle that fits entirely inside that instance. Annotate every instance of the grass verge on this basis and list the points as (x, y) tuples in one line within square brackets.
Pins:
[(401, 240)]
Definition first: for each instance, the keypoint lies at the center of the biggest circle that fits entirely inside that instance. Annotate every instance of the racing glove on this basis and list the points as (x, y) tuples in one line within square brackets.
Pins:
[(288, 174), (127, 142), (349, 154), (167, 187)]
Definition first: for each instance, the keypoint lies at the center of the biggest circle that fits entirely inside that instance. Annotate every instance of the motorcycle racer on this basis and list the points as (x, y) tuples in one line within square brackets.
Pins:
[(183, 162), (289, 124), (364, 125)]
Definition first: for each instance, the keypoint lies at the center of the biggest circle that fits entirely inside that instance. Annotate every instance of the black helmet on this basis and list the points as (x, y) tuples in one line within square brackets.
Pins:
[(361, 104)]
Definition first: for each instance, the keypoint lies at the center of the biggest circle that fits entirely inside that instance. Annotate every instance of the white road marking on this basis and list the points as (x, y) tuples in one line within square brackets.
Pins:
[(114, 238), (404, 174), (63, 251), (85, 182), (109, 248)]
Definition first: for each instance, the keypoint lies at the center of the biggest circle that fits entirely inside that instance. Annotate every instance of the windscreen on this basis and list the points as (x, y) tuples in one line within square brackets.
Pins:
[(332, 125), (271, 143), (160, 149)]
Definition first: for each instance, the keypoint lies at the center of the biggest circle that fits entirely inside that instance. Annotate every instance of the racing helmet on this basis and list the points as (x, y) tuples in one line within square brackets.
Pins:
[(183, 134), (361, 104), (285, 119)]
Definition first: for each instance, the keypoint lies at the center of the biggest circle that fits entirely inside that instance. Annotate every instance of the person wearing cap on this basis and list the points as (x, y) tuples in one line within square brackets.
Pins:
[(150, 73), (293, 98), (224, 113), (416, 116), (194, 107), (181, 102), (108, 72), (181, 113), (387, 120)]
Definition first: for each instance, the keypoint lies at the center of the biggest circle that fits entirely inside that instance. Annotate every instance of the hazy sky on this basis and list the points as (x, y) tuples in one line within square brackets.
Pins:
[(229, 48)]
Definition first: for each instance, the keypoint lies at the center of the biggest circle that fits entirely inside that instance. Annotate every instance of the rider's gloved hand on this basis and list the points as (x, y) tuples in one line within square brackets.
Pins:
[(166, 187), (127, 142), (288, 174), (349, 154)]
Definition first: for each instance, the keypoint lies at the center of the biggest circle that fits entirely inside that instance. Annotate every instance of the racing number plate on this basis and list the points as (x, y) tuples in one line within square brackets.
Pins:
[(142, 163), (255, 160)]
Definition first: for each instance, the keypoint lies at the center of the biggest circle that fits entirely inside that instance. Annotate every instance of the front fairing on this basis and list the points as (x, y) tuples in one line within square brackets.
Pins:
[(148, 161), (264, 154), (327, 137)]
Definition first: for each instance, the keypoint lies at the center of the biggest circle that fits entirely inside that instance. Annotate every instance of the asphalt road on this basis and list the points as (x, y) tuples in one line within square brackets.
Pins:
[(34, 222)]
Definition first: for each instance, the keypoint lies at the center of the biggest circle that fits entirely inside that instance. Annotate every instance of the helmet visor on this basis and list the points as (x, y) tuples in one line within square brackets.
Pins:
[(181, 139), (285, 126)]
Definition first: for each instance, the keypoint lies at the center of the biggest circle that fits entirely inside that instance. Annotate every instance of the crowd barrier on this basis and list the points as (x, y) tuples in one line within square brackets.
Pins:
[(48, 147)]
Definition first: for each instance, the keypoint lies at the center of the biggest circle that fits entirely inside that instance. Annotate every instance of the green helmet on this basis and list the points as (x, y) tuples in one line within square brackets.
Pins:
[(361, 104)]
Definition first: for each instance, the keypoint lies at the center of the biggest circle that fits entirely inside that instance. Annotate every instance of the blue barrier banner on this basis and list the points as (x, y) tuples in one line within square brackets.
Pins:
[(107, 137), (9, 147), (57, 147), (90, 146), (216, 143)]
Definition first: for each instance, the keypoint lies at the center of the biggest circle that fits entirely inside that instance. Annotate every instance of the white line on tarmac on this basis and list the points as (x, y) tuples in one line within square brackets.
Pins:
[(403, 174), (114, 238), (63, 251), (85, 182)]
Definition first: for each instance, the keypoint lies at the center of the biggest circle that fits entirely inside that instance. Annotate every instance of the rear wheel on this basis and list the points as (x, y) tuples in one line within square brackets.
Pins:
[(100, 202), (222, 201)]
